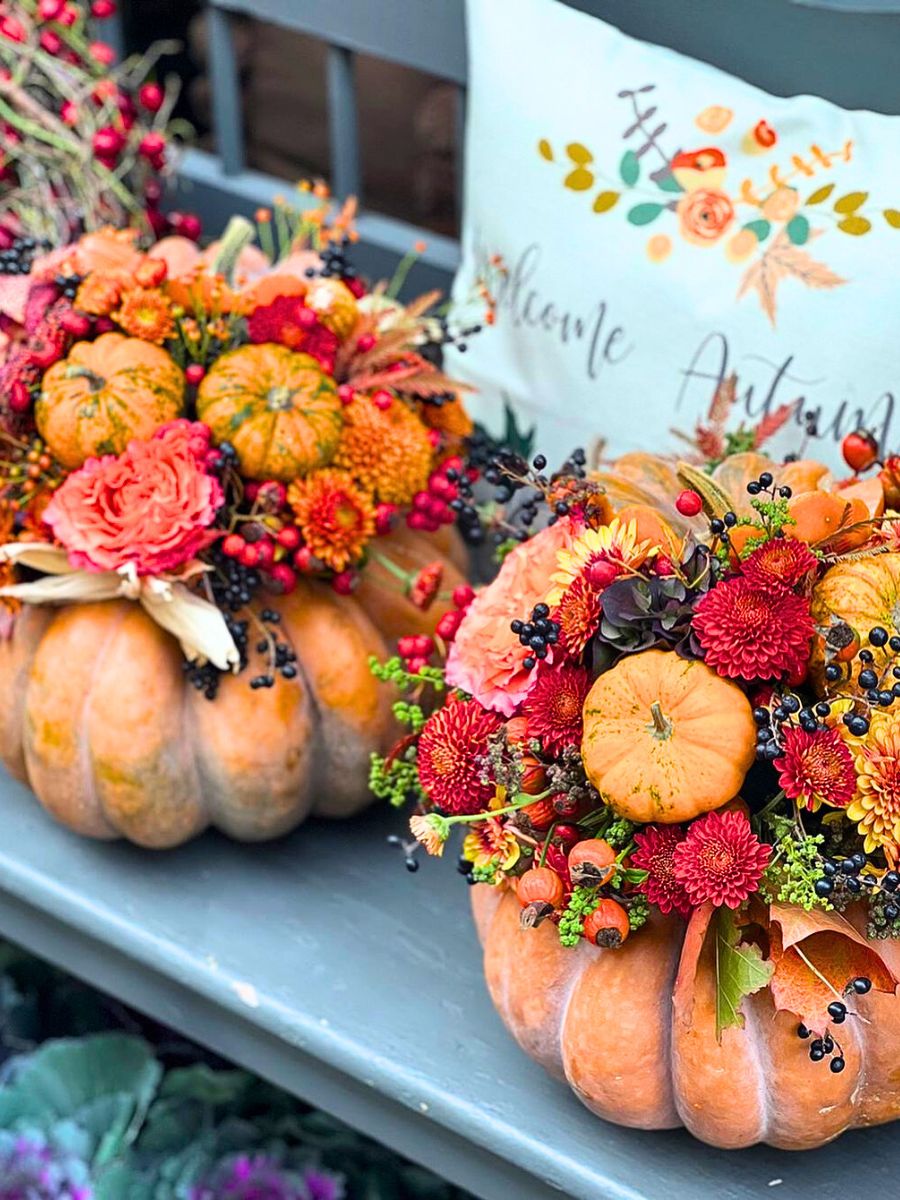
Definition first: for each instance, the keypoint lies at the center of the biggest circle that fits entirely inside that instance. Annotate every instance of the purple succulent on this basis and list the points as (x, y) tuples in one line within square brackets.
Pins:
[(263, 1177), (32, 1169)]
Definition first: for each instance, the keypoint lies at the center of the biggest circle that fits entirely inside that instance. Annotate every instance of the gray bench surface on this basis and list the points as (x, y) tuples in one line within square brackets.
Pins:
[(320, 963)]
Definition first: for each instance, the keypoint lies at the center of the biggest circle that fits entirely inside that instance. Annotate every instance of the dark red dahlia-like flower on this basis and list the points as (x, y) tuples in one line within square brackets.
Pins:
[(655, 854), (817, 768), (721, 859), (290, 323), (578, 614), (554, 706), (452, 746), (779, 560), (753, 632)]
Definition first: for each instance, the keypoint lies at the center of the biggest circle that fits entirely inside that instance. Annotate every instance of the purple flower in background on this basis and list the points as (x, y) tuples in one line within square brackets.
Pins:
[(262, 1177), (32, 1169)]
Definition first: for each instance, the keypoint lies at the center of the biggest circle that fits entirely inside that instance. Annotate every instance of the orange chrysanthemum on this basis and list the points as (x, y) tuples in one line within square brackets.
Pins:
[(578, 614), (336, 517), (99, 294), (450, 418), (387, 451), (876, 808), (145, 314)]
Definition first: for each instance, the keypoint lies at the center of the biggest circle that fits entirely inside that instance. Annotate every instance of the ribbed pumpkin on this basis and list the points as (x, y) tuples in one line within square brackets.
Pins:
[(97, 717), (665, 738), (104, 394), (277, 407), (863, 594), (633, 1032)]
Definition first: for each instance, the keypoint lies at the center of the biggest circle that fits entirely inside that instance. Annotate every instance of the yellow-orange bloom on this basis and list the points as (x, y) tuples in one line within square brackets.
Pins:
[(876, 808), (388, 451), (145, 313), (336, 517)]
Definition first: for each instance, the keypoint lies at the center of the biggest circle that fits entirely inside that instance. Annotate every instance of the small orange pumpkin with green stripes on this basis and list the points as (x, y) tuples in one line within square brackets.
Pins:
[(104, 394), (277, 407)]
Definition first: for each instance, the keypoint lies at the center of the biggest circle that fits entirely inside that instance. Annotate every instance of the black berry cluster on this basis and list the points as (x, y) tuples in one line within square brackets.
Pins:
[(18, 258), (538, 633)]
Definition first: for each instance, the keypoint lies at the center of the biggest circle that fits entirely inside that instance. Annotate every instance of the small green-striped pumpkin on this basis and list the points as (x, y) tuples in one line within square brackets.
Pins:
[(277, 407), (104, 394)]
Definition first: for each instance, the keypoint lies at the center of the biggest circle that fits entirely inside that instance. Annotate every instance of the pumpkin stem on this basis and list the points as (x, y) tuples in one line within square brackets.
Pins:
[(662, 726), (95, 382), (239, 233)]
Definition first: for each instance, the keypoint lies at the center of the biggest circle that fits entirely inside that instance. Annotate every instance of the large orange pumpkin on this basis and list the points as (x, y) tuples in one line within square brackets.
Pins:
[(104, 394), (97, 717), (665, 738), (633, 1032), (277, 407)]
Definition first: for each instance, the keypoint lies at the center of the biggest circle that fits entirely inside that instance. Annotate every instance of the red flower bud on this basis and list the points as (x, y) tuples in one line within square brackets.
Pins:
[(102, 53), (19, 397), (49, 10), (68, 15), (194, 373), (12, 28), (102, 9), (152, 147), (50, 41), (425, 586)]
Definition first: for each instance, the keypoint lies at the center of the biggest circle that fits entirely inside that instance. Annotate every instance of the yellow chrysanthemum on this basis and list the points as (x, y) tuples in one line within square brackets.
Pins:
[(489, 842), (614, 543), (388, 451), (876, 808), (145, 313)]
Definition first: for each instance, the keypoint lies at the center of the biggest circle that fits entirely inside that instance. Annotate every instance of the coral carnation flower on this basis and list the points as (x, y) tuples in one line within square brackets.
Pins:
[(817, 768), (655, 854), (779, 560), (752, 632), (720, 859), (452, 748), (554, 707)]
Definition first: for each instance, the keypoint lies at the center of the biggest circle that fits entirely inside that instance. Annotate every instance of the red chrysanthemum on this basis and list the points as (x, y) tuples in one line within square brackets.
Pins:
[(290, 323), (721, 859), (817, 768), (578, 614), (779, 560), (554, 706), (655, 854), (452, 747), (752, 632)]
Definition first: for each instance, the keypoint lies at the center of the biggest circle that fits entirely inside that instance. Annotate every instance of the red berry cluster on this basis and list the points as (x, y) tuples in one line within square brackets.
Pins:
[(431, 508), (448, 626)]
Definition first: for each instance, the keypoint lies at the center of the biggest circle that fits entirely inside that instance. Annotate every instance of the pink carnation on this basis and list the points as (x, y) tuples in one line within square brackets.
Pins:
[(150, 507), (486, 658)]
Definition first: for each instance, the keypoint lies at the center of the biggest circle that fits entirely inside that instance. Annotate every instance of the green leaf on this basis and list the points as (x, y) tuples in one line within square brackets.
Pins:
[(761, 228), (741, 970), (204, 1083), (668, 183), (605, 201), (643, 214), (856, 226), (798, 229), (892, 216), (851, 202), (820, 194), (630, 168)]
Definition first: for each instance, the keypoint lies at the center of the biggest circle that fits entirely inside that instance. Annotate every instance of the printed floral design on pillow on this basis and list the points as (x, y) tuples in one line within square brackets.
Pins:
[(765, 219)]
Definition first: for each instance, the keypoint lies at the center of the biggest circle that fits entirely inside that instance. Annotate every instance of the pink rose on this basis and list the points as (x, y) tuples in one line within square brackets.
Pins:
[(151, 506), (486, 658)]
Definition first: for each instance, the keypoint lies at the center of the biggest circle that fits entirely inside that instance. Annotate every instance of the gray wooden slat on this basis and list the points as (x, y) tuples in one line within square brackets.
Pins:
[(346, 173), (319, 962), (426, 34), (228, 123)]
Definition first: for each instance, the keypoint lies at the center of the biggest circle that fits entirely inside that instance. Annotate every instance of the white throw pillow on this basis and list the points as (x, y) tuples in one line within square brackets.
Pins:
[(663, 225)]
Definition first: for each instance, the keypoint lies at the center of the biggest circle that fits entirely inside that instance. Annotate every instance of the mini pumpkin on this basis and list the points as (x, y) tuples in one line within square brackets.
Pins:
[(277, 407), (861, 595), (96, 715), (665, 738), (104, 394), (664, 1065)]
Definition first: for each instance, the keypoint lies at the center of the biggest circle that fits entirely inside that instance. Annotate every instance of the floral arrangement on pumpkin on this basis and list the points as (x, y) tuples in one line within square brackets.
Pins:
[(679, 696), (196, 431), (84, 141)]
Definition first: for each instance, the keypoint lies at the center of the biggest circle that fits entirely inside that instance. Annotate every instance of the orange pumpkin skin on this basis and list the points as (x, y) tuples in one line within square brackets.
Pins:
[(665, 738), (278, 408), (661, 1065), (106, 393), (97, 717)]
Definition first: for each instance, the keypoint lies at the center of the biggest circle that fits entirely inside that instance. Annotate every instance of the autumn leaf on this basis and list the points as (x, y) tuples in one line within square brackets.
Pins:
[(605, 201), (851, 202), (724, 399), (741, 970), (545, 150), (816, 955), (781, 261)]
